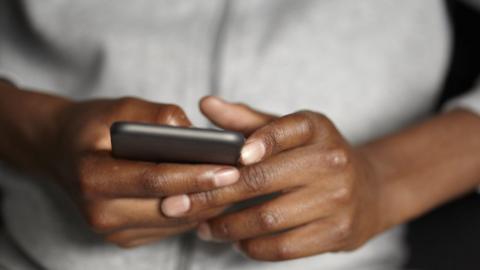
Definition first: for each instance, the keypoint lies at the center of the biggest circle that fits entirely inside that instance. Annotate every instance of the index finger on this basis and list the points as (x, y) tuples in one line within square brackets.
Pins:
[(101, 175), (279, 173), (291, 131)]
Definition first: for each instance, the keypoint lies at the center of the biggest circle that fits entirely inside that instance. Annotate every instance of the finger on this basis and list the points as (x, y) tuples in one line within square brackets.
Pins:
[(113, 215), (103, 176), (138, 110), (134, 237), (233, 116), (287, 211), (284, 133), (314, 238), (105, 112), (280, 172)]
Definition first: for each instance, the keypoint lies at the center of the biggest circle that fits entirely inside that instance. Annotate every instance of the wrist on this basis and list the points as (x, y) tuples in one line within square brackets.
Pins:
[(30, 121), (48, 133), (426, 165), (382, 175)]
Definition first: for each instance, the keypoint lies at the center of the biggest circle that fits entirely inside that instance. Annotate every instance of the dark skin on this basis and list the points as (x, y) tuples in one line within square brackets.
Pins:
[(334, 196), (69, 143)]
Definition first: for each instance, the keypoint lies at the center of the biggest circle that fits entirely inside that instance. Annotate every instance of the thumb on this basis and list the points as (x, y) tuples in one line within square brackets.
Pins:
[(233, 116)]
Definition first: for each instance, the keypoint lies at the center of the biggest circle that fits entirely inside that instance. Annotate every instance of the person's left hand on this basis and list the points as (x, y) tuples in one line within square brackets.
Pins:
[(328, 199)]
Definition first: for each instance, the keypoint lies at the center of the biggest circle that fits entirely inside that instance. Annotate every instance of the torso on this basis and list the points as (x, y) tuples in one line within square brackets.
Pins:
[(372, 66)]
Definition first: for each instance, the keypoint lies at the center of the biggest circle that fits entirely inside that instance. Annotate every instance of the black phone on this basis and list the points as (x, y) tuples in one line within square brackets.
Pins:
[(162, 143)]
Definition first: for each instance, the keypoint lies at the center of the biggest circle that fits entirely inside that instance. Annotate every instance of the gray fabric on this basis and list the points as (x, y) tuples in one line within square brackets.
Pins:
[(373, 66), (10, 257)]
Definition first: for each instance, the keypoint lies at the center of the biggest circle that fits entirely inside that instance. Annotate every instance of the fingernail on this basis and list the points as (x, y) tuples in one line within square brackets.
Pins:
[(252, 152), (204, 232), (225, 177), (175, 206)]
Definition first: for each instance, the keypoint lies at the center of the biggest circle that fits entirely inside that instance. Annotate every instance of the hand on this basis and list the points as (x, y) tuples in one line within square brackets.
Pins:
[(120, 198), (328, 193)]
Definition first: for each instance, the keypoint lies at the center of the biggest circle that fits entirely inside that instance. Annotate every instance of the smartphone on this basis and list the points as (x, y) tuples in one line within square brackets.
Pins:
[(162, 143)]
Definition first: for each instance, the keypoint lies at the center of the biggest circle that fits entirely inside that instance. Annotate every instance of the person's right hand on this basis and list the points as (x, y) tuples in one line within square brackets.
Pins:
[(121, 199)]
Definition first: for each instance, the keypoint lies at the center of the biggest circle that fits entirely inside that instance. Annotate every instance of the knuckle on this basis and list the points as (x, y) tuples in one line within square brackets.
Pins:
[(154, 183), (314, 121), (339, 158), (283, 250), (321, 120), (255, 178), (343, 230), (267, 220), (222, 230), (308, 119), (101, 221), (278, 250), (206, 198), (126, 102), (342, 195), (251, 250), (171, 114), (270, 138)]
